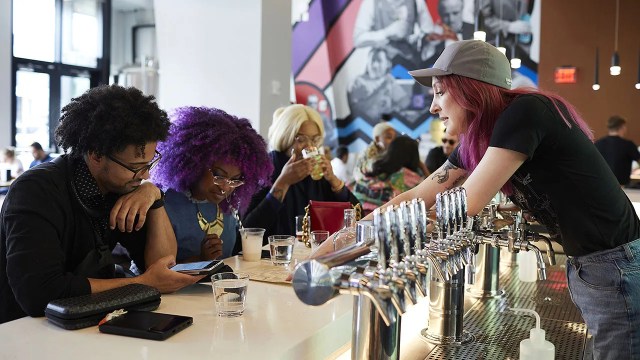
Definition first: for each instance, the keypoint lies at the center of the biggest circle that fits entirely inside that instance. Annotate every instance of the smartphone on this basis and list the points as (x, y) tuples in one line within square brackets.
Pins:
[(199, 267), (146, 325)]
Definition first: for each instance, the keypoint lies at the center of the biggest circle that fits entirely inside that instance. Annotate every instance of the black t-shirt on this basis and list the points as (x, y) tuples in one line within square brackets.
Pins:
[(564, 182), (619, 154), (435, 158)]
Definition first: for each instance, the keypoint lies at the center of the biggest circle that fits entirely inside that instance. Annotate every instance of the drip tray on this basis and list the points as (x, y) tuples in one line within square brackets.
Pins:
[(498, 331)]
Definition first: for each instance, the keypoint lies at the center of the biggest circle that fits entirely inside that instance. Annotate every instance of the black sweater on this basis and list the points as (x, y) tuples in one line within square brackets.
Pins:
[(277, 218), (45, 234)]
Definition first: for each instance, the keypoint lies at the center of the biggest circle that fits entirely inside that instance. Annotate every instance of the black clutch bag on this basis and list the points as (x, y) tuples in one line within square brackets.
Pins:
[(87, 310)]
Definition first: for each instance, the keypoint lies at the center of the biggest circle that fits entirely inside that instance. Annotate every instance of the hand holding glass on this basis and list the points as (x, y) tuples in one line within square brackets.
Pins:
[(313, 152), (251, 243), (230, 293)]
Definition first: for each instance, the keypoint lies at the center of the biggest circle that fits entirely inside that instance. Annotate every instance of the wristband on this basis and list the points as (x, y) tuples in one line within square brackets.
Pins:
[(158, 203)]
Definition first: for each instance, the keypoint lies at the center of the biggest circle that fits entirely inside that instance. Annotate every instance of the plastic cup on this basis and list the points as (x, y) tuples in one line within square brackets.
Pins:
[(252, 243)]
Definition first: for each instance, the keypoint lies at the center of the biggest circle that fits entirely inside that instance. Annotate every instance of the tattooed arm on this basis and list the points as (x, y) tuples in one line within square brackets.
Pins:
[(446, 177), (493, 171)]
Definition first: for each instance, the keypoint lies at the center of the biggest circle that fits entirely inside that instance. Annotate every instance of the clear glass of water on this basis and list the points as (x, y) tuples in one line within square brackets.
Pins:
[(281, 248), (230, 293)]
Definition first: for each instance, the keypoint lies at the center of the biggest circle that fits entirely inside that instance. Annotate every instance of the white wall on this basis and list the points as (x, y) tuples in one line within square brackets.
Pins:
[(275, 62), (225, 54), (5, 73)]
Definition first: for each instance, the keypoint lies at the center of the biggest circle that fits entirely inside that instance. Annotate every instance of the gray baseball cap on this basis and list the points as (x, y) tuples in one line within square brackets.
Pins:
[(470, 58)]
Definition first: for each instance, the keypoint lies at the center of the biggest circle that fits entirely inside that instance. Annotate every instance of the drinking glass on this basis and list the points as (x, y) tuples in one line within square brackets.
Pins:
[(281, 249), (313, 152), (230, 293), (317, 238)]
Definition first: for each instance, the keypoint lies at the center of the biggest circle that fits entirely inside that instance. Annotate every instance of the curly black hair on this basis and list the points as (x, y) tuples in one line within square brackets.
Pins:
[(106, 119)]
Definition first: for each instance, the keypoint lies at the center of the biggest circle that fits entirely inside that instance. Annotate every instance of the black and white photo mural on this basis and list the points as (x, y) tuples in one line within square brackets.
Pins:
[(350, 58)]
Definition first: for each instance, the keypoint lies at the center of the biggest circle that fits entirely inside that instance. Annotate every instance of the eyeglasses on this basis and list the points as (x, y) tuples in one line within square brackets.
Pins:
[(450, 141), (221, 180), (144, 168), (304, 139)]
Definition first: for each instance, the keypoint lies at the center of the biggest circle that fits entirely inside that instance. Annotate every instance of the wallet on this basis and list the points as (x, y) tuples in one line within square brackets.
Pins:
[(87, 310)]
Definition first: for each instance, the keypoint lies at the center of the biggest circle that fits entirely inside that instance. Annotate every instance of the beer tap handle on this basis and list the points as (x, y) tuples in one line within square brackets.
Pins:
[(380, 236)]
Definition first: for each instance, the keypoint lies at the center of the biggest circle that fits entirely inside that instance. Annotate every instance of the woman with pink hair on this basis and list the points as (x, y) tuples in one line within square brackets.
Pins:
[(535, 147)]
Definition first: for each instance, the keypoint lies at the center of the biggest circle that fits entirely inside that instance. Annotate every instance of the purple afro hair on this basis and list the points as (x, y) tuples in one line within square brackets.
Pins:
[(200, 136)]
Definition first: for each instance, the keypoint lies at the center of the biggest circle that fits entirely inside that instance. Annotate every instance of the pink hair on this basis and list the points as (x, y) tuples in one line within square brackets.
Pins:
[(484, 103)]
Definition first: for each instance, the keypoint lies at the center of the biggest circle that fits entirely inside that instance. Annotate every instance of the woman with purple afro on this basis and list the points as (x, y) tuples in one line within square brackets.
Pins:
[(212, 164)]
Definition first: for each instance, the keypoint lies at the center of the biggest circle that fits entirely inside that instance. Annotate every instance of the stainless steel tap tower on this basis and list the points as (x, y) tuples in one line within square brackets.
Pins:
[(404, 260)]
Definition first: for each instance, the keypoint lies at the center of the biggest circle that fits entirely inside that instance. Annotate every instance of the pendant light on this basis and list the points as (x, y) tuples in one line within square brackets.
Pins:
[(615, 68), (500, 48), (479, 33), (638, 82), (596, 83)]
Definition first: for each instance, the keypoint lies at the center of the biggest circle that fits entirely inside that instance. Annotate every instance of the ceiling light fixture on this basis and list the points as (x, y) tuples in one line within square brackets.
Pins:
[(596, 83), (615, 68)]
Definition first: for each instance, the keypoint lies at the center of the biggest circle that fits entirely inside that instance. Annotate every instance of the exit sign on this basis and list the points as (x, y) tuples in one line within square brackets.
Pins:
[(565, 75)]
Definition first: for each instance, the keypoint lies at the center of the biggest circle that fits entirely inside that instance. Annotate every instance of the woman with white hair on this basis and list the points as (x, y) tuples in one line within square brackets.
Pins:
[(383, 135), (294, 128)]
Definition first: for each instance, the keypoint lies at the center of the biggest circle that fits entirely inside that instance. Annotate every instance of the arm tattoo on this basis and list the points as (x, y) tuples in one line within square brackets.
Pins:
[(442, 175), (457, 182)]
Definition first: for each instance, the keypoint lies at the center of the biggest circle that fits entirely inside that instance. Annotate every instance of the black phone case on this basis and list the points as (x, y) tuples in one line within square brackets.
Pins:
[(146, 325), (87, 310), (217, 264)]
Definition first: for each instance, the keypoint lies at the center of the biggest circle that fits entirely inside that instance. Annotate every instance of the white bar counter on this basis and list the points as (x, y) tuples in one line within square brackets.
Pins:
[(275, 325)]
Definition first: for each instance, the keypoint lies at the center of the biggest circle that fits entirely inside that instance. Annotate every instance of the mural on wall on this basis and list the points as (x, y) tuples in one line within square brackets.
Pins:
[(350, 57)]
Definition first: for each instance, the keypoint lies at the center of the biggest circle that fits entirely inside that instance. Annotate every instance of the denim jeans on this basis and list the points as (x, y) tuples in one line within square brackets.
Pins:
[(605, 286)]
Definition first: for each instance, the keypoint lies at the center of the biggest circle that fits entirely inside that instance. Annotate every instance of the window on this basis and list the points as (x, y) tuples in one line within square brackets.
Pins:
[(58, 53)]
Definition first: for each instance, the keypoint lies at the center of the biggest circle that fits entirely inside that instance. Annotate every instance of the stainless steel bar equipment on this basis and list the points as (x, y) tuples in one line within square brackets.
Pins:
[(398, 259)]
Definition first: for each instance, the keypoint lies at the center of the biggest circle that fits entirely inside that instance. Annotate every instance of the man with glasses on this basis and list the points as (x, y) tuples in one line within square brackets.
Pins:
[(439, 154), (61, 220)]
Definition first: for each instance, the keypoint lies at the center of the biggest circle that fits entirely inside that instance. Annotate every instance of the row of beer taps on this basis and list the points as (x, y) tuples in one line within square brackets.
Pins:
[(407, 250)]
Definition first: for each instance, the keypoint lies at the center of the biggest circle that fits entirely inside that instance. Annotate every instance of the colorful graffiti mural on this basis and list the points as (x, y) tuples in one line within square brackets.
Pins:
[(350, 58)]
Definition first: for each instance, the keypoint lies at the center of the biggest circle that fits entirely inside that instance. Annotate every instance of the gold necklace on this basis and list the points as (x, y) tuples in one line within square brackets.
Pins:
[(214, 227)]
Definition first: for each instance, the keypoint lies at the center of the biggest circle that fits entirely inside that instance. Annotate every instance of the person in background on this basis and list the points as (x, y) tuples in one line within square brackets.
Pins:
[(61, 219), (439, 154), (617, 151), (340, 164), (213, 163), (383, 135), (535, 147), (396, 171), (39, 155), (12, 163), (294, 128)]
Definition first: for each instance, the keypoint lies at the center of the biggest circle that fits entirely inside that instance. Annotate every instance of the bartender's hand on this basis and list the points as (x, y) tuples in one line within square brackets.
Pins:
[(165, 280), (136, 203), (211, 247)]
